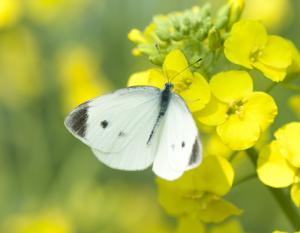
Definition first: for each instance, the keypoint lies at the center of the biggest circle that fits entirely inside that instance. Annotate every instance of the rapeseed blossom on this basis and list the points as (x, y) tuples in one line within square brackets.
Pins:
[(279, 162), (233, 116), (250, 46), (239, 113), (198, 193)]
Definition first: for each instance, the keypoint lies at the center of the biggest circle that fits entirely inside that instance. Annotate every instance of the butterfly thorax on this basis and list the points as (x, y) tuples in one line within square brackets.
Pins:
[(165, 98)]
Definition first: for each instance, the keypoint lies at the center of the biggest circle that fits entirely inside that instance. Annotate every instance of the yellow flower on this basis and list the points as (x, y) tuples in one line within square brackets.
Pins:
[(9, 12), (198, 192), (215, 146), (240, 114), (274, 14), (49, 11), (192, 87), (294, 68), (190, 224), (279, 163), (147, 38), (48, 222), (294, 103), (20, 78), (236, 9), (78, 71), (250, 46)]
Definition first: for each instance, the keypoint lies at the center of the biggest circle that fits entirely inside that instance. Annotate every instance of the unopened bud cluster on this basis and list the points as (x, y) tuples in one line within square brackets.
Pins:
[(195, 31)]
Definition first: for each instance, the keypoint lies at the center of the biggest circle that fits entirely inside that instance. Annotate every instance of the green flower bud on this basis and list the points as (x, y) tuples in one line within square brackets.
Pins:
[(201, 34), (162, 34), (177, 36), (214, 39), (156, 59)]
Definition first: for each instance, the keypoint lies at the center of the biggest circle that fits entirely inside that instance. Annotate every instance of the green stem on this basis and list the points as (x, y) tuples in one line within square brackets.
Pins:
[(291, 86), (281, 198), (270, 87), (245, 179)]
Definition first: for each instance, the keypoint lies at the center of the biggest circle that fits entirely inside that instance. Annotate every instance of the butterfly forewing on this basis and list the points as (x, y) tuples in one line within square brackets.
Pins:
[(117, 126)]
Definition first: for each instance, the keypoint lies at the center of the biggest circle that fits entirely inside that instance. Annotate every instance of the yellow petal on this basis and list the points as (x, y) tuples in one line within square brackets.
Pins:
[(215, 175), (214, 112), (217, 210), (288, 141), (198, 93), (136, 36), (260, 107), (215, 146), (231, 86), (272, 167), (139, 79), (239, 133), (156, 79), (175, 67), (276, 55), (274, 74), (191, 225), (173, 196), (246, 37), (294, 68), (294, 103), (295, 194)]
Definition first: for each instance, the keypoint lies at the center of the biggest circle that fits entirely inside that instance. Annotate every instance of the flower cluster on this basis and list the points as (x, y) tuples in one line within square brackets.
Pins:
[(233, 115)]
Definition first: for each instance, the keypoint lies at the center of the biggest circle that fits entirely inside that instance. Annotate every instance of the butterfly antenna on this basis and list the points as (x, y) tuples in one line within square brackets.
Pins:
[(190, 65), (160, 54)]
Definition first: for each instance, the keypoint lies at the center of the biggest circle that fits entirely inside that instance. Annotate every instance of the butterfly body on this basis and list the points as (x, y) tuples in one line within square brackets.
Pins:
[(134, 127), (165, 98)]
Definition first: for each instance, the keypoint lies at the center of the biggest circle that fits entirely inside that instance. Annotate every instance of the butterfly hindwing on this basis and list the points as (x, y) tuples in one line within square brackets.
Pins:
[(117, 126), (179, 148)]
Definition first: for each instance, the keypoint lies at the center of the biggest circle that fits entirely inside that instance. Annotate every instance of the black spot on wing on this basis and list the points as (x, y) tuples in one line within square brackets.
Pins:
[(104, 124), (78, 121), (183, 144), (195, 153), (121, 134)]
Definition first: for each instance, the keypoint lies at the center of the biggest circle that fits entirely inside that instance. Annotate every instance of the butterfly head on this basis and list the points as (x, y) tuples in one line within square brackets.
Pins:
[(169, 86)]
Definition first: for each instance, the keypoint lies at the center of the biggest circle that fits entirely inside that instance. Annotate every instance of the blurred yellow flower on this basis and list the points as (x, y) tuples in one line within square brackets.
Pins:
[(250, 46), (49, 222), (80, 77), (192, 87), (240, 114), (20, 78), (9, 12), (294, 103), (294, 68), (236, 9), (48, 11), (190, 224), (274, 14), (147, 37), (198, 192), (279, 163)]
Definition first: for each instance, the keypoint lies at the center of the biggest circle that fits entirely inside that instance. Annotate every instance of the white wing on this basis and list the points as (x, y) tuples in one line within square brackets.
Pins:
[(117, 126), (179, 148)]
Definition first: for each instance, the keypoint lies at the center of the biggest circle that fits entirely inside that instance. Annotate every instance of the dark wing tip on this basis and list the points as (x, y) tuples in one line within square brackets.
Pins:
[(76, 121), (195, 157)]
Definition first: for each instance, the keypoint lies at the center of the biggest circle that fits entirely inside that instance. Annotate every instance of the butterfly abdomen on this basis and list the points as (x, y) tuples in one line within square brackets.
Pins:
[(165, 98)]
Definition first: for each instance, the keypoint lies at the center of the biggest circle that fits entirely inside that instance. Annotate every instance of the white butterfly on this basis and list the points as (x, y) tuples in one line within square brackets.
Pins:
[(134, 127)]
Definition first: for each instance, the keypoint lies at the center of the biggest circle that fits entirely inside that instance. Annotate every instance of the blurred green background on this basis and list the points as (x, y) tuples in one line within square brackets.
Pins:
[(55, 54)]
